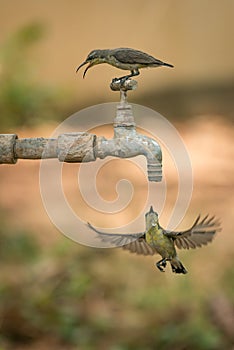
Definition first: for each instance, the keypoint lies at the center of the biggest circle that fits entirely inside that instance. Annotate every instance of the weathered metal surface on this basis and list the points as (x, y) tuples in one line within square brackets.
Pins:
[(117, 85), (33, 148), (84, 147), (76, 147), (127, 142), (7, 143)]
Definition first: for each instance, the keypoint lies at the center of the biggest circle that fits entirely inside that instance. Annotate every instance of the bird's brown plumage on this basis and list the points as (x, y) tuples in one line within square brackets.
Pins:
[(156, 240), (130, 56), (200, 233), (122, 58)]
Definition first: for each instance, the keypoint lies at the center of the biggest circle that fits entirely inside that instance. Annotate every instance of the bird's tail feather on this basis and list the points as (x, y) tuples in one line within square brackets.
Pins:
[(177, 266), (168, 65)]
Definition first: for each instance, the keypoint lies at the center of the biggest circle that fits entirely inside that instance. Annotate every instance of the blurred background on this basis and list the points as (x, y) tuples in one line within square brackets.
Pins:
[(56, 294)]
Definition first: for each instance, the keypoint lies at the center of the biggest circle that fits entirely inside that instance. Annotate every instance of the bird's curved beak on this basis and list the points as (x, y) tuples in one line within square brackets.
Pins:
[(151, 209), (92, 63)]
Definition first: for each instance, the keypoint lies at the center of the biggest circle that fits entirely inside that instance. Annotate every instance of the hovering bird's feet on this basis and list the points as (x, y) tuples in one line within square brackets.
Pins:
[(161, 264), (178, 267)]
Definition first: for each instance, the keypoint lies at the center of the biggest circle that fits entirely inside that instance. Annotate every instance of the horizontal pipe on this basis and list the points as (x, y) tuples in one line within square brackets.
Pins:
[(33, 148), (71, 147)]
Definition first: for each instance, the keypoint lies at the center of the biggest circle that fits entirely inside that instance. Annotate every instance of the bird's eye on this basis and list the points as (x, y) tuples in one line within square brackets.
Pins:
[(91, 56)]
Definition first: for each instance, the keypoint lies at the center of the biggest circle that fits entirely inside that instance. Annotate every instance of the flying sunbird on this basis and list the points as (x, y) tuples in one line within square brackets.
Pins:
[(156, 240), (122, 58)]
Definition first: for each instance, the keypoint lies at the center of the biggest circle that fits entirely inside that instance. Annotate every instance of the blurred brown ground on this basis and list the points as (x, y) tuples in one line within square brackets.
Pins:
[(195, 36), (208, 142)]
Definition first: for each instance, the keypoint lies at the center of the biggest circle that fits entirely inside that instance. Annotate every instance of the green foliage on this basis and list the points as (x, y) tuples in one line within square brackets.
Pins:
[(228, 281), (21, 246), (97, 299), (24, 101), (197, 335)]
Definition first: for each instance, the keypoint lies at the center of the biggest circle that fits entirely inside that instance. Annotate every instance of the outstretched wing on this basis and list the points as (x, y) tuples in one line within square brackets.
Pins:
[(140, 246), (201, 233), (134, 242)]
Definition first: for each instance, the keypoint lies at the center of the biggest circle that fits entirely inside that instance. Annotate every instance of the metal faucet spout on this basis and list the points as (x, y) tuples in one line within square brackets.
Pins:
[(131, 144), (128, 143)]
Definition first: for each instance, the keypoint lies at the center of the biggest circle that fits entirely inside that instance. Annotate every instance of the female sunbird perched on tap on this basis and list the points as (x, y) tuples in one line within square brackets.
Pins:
[(156, 240), (123, 58)]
